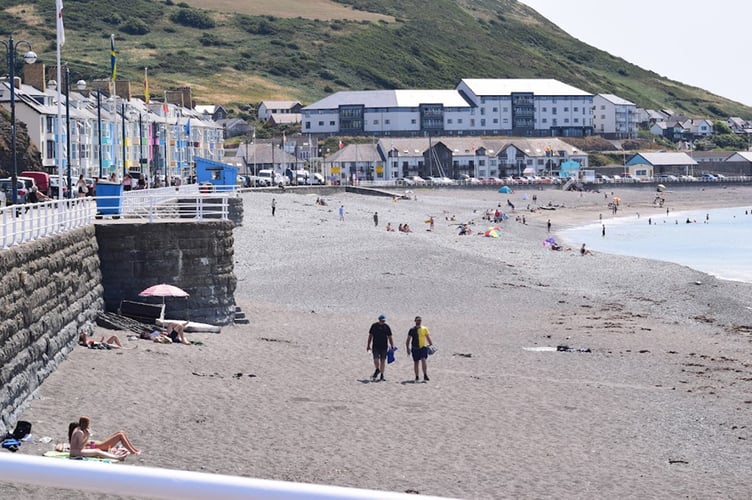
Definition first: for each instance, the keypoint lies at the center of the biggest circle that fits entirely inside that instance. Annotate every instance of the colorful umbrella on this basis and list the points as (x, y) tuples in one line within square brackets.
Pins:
[(661, 187), (505, 189), (493, 232)]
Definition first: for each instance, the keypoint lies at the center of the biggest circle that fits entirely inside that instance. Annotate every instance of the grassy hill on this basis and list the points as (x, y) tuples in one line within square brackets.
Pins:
[(236, 52)]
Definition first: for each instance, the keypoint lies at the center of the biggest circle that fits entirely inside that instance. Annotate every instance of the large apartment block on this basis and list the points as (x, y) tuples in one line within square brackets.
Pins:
[(517, 107)]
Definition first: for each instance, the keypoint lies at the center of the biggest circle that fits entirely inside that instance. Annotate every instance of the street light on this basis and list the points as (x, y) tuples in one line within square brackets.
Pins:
[(29, 57)]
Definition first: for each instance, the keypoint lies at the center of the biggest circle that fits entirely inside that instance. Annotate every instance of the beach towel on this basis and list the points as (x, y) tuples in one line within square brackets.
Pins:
[(65, 454), (11, 444)]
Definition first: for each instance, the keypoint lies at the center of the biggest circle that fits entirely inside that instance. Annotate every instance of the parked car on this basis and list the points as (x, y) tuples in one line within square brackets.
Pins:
[(688, 178), (42, 180), (419, 181), (6, 187), (708, 178), (604, 178), (55, 187), (404, 181), (667, 178)]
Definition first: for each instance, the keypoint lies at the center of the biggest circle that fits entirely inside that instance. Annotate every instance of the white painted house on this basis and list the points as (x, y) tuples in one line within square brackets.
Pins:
[(614, 117)]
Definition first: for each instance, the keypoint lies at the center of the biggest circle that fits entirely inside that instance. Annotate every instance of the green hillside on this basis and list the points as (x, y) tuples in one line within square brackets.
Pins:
[(305, 49)]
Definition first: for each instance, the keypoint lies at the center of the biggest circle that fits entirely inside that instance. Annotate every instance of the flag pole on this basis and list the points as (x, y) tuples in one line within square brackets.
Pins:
[(60, 42)]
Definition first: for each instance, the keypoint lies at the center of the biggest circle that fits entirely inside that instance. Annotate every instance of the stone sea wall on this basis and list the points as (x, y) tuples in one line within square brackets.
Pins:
[(197, 257), (49, 290)]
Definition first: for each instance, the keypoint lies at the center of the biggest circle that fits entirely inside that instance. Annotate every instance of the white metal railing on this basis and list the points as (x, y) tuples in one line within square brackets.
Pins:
[(32, 221), (28, 222), (150, 482)]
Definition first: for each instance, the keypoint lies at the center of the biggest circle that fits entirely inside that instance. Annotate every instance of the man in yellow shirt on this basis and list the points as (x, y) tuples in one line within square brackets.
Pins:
[(417, 340)]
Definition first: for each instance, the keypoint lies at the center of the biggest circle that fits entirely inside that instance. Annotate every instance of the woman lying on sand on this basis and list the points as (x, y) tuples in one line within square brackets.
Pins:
[(112, 343), (82, 446)]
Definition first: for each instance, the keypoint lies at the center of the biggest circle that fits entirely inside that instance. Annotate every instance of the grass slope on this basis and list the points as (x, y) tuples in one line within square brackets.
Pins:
[(305, 49)]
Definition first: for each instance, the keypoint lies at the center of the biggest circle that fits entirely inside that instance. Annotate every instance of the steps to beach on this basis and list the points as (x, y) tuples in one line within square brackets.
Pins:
[(239, 317)]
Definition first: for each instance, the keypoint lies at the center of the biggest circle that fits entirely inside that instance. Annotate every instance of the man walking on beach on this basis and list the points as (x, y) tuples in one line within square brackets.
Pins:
[(341, 212), (378, 336), (376, 219), (417, 340), (274, 206)]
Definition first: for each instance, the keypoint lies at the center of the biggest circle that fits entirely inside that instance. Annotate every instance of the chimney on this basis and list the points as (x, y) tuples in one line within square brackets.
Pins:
[(174, 97), (123, 89), (187, 97), (34, 76)]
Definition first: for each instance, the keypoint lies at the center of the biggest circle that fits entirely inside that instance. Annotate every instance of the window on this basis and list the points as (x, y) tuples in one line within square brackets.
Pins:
[(375, 122), (386, 122), (307, 124), (506, 110), (50, 150), (553, 111), (449, 120), (482, 122), (496, 121), (576, 109), (544, 109), (321, 124), (481, 163), (50, 124), (566, 120), (412, 121), (577, 120), (544, 120), (459, 120), (506, 121), (603, 117), (566, 109), (603, 106), (482, 111), (472, 122), (332, 123), (495, 110)]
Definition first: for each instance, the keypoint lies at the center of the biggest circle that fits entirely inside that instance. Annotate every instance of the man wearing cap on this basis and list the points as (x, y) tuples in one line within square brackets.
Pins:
[(417, 340), (378, 337)]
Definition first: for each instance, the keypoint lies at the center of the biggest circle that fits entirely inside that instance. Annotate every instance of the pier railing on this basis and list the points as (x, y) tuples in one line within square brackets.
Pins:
[(32, 221)]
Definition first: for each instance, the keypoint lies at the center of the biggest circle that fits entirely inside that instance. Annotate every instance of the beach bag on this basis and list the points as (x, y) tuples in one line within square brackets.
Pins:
[(431, 349), (23, 429)]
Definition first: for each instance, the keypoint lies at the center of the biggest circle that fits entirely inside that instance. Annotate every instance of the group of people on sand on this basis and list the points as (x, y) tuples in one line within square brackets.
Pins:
[(172, 333), (404, 228), (117, 446), (418, 345)]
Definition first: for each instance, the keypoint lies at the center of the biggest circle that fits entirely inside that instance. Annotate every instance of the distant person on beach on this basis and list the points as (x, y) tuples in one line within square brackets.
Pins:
[(389, 227), (376, 219), (417, 340), (82, 446), (274, 206), (585, 251), (341, 212), (603, 230), (379, 341), (548, 225)]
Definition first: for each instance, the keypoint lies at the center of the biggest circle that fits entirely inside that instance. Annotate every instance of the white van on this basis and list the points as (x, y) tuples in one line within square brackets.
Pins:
[(268, 177)]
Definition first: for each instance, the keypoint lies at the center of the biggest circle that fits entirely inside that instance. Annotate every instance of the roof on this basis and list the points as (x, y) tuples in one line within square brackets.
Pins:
[(413, 146), (668, 159), (356, 153), (505, 87), (391, 99), (284, 118), (279, 104), (616, 100)]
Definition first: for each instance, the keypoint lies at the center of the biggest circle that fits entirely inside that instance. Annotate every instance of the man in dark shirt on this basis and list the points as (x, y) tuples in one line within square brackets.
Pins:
[(378, 337)]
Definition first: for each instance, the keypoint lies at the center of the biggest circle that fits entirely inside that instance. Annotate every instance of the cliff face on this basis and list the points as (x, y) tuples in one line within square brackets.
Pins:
[(27, 155)]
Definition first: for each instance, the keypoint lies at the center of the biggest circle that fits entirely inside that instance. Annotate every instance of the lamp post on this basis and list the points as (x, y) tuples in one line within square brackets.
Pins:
[(29, 57)]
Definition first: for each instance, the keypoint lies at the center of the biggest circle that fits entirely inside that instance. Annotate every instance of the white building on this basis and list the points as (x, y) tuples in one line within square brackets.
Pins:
[(520, 107), (614, 117)]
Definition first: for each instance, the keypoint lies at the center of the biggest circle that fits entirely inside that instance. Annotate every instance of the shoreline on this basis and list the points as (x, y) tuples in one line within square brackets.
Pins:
[(660, 406)]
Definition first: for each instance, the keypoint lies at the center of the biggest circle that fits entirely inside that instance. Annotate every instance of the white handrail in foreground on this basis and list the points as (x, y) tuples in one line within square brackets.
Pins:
[(32, 221), (150, 482)]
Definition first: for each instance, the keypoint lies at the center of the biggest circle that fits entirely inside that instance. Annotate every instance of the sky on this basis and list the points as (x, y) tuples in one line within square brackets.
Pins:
[(700, 43)]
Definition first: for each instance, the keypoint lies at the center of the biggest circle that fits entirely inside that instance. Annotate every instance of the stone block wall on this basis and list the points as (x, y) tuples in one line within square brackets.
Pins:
[(194, 256), (49, 290)]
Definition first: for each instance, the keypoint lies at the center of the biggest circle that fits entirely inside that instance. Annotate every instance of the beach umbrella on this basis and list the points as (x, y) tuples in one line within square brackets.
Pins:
[(661, 187), (505, 189), (492, 232), (164, 290)]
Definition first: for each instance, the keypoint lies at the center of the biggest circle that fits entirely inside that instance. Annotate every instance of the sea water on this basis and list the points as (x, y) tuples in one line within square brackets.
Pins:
[(717, 241)]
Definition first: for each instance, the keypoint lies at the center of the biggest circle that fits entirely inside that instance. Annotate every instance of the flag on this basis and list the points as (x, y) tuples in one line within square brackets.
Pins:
[(188, 128), (113, 60), (60, 29), (146, 85)]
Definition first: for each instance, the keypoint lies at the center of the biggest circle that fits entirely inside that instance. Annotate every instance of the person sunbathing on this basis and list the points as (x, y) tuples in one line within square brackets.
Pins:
[(176, 332), (82, 446), (111, 343)]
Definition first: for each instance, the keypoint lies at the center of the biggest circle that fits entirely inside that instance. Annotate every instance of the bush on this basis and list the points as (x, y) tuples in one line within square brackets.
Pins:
[(135, 27), (193, 19), (210, 40)]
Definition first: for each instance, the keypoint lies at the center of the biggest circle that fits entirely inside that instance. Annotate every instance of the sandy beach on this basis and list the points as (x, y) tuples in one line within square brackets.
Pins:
[(660, 406)]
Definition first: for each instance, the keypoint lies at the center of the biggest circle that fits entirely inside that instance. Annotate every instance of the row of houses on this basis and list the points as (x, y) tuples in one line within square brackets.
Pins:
[(387, 159), (110, 130)]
